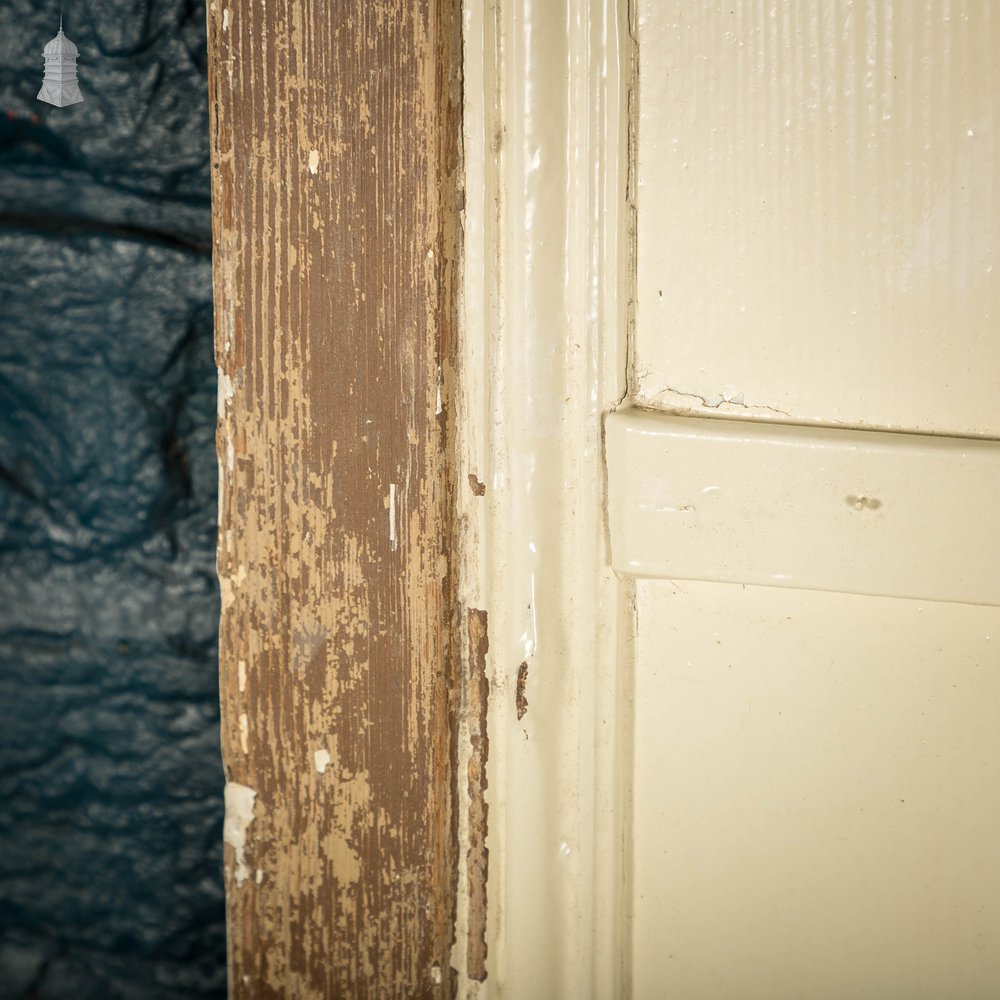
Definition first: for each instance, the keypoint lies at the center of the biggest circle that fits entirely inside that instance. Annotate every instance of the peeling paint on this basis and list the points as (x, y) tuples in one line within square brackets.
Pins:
[(477, 857), (226, 392), (239, 802), (326, 642), (729, 400), (478, 488), (520, 693), (322, 760)]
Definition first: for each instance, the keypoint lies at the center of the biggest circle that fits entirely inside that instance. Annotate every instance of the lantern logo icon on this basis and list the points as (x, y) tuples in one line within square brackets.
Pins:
[(60, 86)]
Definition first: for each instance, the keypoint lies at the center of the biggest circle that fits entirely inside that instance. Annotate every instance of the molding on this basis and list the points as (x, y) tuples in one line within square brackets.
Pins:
[(542, 360)]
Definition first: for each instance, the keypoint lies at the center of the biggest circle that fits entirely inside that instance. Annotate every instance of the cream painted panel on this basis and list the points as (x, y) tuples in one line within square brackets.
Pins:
[(818, 211), (817, 796)]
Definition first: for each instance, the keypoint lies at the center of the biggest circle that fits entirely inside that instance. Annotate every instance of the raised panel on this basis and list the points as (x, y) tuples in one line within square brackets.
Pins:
[(818, 209), (817, 796)]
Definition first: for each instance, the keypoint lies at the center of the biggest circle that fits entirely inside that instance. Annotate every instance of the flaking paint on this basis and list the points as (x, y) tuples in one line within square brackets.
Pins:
[(335, 304)]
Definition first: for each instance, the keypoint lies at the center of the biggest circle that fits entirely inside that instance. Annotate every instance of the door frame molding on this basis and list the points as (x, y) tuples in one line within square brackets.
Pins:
[(546, 297)]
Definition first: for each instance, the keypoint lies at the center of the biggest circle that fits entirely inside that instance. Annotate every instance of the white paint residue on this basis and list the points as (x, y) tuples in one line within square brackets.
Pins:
[(313, 160), (260, 876), (322, 759), (392, 516), (439, 406), (436, 974), (225, 18), (239, 801), (244, 732), (241, 672), (226, 392)]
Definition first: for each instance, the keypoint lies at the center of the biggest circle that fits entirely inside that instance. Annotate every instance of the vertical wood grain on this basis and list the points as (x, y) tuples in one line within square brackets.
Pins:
[(336, 187)]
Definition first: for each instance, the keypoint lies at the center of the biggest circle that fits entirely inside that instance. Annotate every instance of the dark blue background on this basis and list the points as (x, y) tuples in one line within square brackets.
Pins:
[(110, 777)]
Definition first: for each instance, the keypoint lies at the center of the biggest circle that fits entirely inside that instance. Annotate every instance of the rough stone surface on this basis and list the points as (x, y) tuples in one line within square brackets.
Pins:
[(110, 776)]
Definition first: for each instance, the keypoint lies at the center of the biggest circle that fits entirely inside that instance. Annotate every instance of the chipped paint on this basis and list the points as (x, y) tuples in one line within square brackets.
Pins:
[(393, 541), (728, 400), (543, 77), (321, 758), (477, 853), (227, 390), (328, 316), (239, 802), (520, 692)]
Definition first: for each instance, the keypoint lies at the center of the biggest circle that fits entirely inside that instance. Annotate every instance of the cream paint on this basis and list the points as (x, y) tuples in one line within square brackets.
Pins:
[(817, 796), (775, 731), (545, 245), (815, 804), (819, 197), (737, 501)]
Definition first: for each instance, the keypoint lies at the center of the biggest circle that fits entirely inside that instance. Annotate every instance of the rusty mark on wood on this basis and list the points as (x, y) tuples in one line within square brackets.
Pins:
[(478, 488), (478, 853), (336, 183), (520, 695)]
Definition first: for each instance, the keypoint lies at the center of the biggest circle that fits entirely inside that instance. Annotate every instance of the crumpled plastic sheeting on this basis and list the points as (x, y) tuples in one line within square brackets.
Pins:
[(110, 774)]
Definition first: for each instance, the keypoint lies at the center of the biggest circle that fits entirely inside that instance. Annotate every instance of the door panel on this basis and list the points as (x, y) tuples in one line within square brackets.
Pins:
[(817, 796), (717, 789), (815, 777), (818, 210)]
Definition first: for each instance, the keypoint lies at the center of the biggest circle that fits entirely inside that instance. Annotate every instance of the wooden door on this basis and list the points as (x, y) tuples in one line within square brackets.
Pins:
[(606, 534)]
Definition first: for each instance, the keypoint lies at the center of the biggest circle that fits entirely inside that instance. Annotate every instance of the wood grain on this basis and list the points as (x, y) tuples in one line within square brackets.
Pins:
[(336, 195)]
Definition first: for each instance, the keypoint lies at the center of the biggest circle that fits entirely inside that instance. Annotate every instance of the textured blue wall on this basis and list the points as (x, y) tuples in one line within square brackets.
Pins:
[(110, 778)]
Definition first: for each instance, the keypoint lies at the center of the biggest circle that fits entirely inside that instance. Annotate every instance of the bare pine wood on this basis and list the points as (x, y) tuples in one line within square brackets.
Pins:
[(335, 149)]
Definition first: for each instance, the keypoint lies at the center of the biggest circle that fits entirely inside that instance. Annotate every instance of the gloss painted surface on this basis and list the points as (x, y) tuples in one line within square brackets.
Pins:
[(545, 160), (863, 512)]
